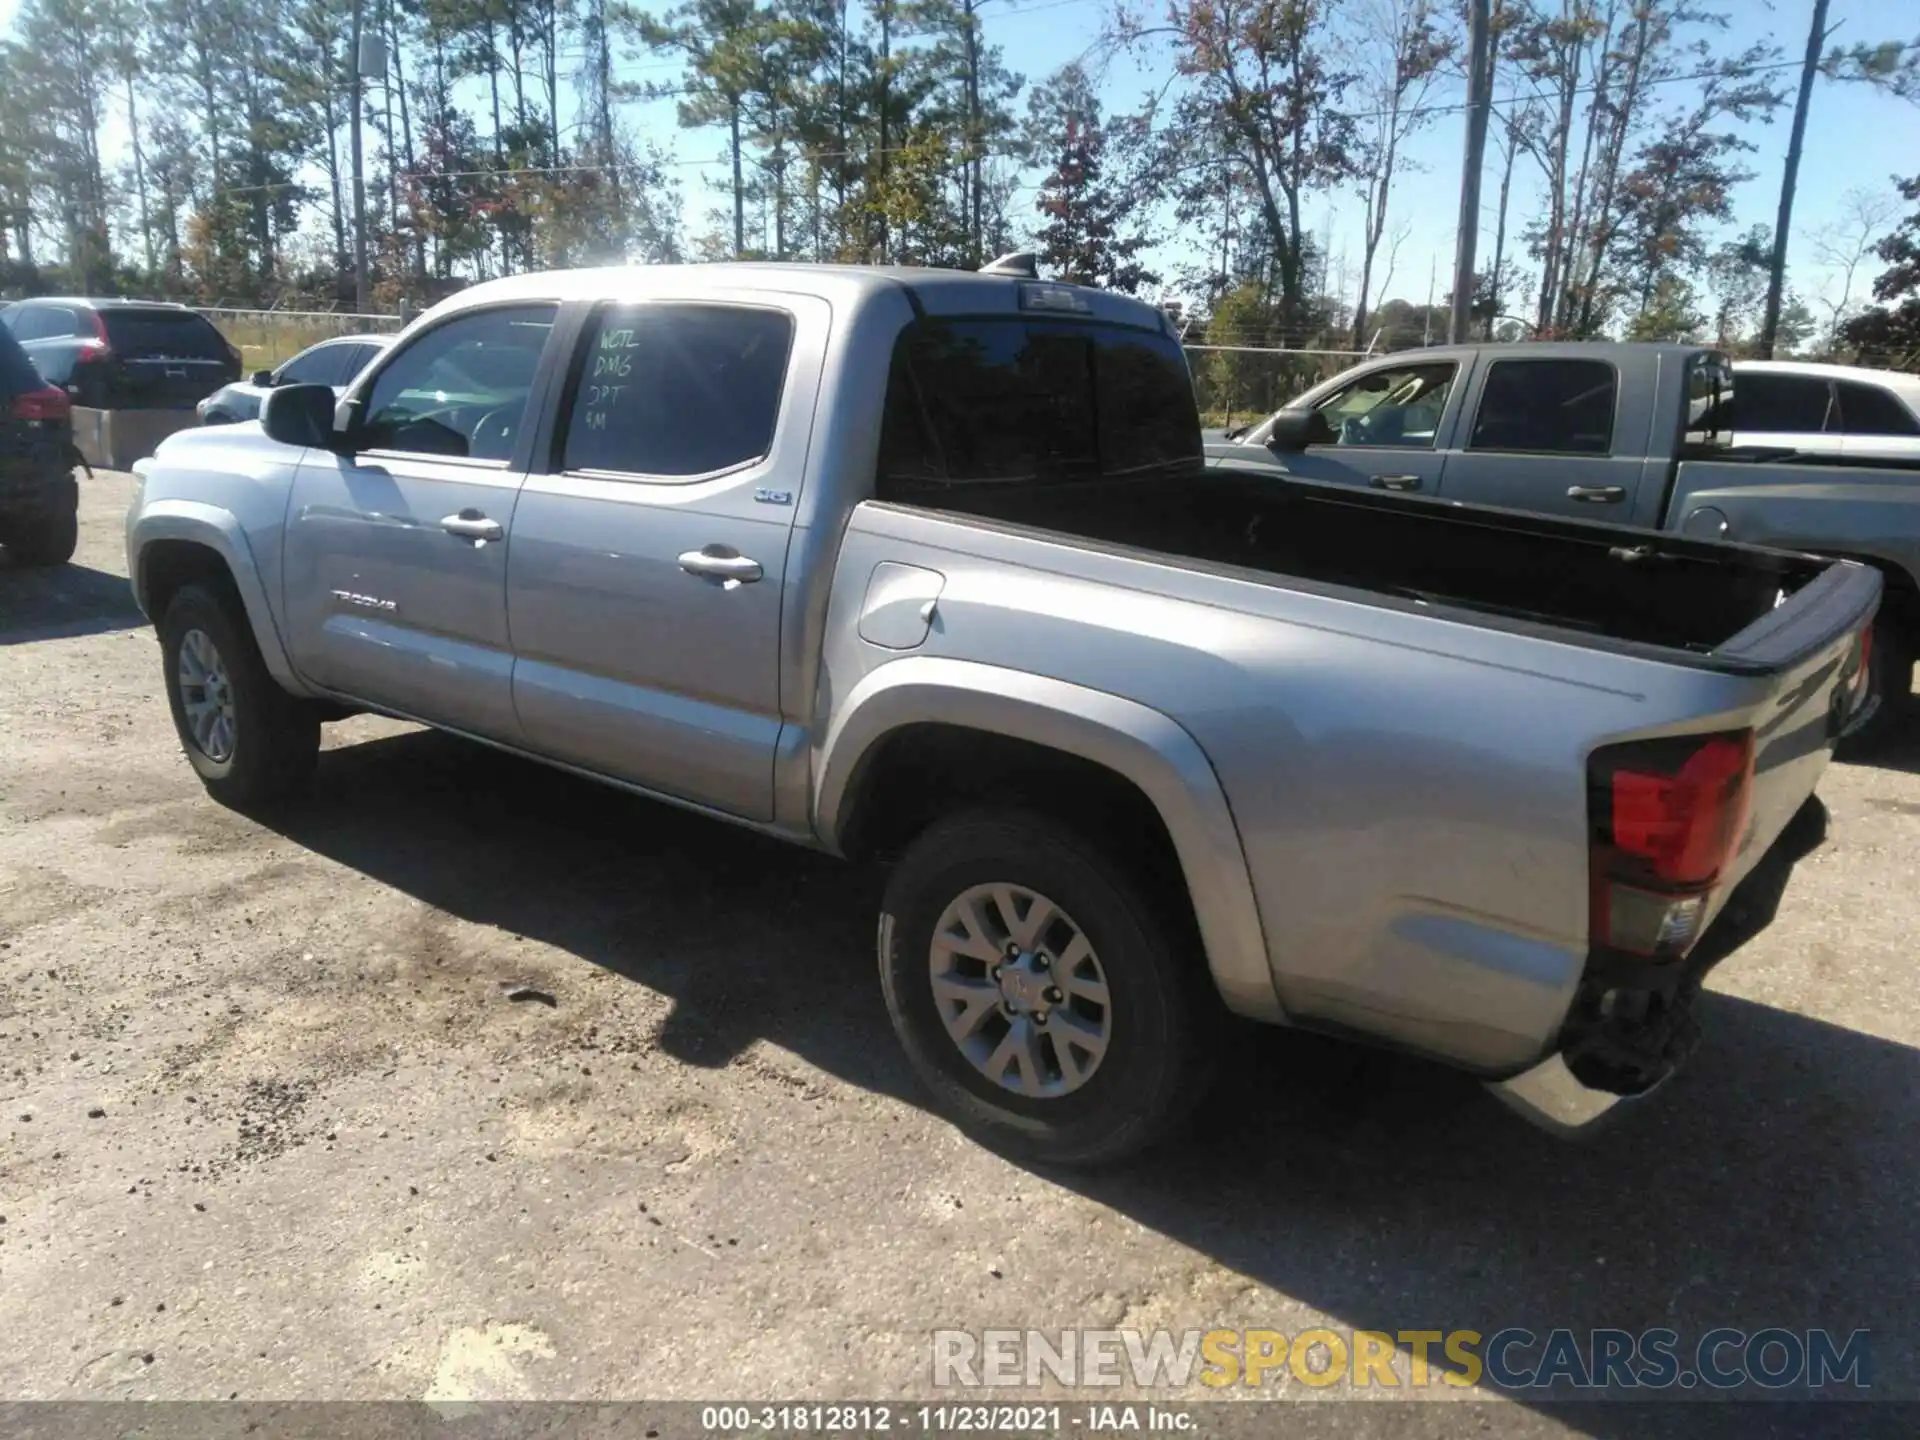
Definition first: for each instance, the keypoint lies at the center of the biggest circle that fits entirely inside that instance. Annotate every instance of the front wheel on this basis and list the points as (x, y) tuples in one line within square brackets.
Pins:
[(1049, 1006), (250, 742)]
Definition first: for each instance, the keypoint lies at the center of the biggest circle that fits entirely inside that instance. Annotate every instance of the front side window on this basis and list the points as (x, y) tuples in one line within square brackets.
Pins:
[(1765, 404), (1547, 407), (1400, 407), (461, 389), (320, 366), (1869, 410), (993, 402), (675, 391)]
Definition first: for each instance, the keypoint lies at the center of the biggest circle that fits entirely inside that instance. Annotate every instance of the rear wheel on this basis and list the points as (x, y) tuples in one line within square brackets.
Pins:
[(250, 742), (1891, 681), (1053, 1010), (49, 538)]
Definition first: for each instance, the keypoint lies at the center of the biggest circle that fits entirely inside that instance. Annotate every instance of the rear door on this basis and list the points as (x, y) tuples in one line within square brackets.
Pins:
[(396, 555), (649, 563), (164, 359), (1385, 424), (1546, 434)]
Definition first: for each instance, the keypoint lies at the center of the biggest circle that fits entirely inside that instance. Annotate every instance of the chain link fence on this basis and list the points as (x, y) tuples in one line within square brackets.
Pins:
[(267, 337), (1237, 383)]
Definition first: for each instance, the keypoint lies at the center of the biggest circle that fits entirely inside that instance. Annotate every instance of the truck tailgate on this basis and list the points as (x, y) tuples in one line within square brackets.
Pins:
[(1813, 644)]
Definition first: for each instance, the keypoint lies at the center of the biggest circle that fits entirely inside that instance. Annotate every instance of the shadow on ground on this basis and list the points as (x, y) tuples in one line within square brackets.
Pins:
[(1776, 1182), (62, 601)]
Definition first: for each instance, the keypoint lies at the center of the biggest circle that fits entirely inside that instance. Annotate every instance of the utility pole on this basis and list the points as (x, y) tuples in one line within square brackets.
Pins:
[(361, 300), (1777, 271), (1479, 26)]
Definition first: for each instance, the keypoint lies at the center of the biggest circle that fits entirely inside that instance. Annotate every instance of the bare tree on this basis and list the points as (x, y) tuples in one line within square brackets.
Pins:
[(1403, 47), (1843, 244)]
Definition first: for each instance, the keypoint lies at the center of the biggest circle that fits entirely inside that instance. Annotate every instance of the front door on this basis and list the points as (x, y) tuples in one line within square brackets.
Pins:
[(648, 570), (396, 555), (1383, 428)]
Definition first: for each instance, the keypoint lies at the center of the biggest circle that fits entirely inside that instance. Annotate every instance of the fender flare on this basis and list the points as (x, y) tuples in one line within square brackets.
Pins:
[(1138, 743), (219, 531)]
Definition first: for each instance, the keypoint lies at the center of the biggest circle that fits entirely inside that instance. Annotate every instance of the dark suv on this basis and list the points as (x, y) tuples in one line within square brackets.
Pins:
[(124, 354), (38, 498)]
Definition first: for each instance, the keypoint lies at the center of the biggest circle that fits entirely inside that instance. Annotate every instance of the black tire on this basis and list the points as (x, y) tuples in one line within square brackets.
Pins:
[(276, 737), (45, 540), (1154, 1068), (1891, 664)]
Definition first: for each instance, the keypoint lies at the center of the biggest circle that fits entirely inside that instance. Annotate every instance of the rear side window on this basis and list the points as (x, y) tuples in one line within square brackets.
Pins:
[(17, 375), (1869, 410), (674, 391), (1547, 407), (163, 335), (1781, 404), (995, 402)]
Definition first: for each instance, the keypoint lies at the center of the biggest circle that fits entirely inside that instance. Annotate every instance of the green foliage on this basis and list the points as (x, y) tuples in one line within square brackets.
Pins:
[(1889, 334)]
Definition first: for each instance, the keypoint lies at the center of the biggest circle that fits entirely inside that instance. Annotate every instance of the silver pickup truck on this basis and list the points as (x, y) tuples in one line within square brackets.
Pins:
[(928, 567), (1641, 435)]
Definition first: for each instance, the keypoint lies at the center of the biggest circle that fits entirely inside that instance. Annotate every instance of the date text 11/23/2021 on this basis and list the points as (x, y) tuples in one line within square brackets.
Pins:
[(790, 1419)]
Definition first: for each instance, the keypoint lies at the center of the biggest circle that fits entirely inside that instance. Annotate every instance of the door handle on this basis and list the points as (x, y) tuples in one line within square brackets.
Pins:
[(1395, 482), (721, 564), (1597, 494), (472, 525)]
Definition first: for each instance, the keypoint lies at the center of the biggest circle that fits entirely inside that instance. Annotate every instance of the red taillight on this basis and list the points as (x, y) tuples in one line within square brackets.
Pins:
[(46, 403), (1668, 817)]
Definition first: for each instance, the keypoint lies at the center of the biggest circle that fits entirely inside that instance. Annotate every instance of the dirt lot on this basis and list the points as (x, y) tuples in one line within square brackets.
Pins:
[(272, 1127)]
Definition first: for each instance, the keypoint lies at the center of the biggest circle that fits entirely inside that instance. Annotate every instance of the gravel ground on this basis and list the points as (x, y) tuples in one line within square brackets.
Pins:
[(272, 1126)]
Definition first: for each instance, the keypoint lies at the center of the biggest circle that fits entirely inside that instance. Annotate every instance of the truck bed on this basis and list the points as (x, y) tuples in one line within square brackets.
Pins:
[(1600, 581)]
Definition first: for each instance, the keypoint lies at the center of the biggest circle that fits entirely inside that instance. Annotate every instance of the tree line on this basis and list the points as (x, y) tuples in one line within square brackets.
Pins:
[(501, 139)]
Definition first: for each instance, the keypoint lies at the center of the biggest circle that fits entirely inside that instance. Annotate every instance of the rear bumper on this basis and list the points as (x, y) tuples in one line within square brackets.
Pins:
[(1630, 1061), (1554, 1098)]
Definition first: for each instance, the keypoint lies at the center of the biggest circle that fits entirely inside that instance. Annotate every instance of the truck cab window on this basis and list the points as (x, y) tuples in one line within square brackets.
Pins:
[(460, 389), (1399, 407), (674, 391), (1010, 402), (1547, 407)]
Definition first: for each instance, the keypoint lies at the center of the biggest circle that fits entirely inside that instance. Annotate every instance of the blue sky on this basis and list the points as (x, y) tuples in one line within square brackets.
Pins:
[(1856, 138)]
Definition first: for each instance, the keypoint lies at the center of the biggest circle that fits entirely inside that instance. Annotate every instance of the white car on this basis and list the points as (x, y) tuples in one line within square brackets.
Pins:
[(332, 362), (1827, 409)]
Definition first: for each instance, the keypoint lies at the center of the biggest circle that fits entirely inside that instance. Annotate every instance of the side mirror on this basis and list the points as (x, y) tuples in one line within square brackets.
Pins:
[(299, 415), (1294, 430), (263, 379)]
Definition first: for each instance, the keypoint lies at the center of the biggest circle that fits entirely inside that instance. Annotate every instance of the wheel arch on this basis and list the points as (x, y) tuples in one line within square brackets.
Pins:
[(1015, 722), (177, 542)]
